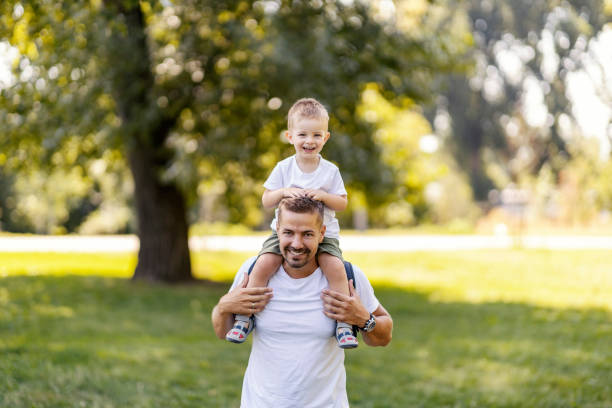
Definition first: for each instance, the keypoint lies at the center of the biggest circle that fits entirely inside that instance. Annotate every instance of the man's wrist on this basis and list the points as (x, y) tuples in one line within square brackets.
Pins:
[(221, 306), (364, 319), (370, 324)]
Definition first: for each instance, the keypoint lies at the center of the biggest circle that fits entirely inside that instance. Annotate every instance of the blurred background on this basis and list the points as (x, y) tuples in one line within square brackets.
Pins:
[(449, 113), (458, 126)]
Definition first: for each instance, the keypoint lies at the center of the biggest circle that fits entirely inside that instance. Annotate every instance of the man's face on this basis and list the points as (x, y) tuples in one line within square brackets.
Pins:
[(299, 237)]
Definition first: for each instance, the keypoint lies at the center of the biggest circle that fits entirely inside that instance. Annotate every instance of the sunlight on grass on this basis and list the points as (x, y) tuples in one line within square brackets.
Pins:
[(547, 278)]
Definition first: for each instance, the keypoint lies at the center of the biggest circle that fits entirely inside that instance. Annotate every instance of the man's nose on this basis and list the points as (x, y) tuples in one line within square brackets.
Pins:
[(297, 242)]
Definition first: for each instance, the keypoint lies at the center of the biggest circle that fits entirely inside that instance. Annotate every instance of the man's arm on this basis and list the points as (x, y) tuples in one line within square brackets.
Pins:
[(240, 300), (349, 309)]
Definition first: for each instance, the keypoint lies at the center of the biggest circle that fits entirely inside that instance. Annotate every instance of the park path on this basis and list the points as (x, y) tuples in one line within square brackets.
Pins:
[(356, 243)]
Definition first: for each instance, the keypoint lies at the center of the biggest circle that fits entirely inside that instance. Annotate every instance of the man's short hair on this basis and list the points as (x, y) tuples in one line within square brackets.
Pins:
[(301, 205), (306, 108)]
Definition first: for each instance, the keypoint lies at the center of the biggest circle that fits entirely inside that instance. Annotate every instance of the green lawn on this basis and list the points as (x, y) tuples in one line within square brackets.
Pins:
[(484, 328)]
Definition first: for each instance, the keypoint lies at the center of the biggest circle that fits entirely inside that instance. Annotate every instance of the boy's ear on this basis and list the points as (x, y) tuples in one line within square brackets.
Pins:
[(327, 135), (288, 136)]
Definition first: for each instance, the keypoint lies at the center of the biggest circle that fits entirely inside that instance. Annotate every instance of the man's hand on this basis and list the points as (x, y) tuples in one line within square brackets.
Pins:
[(243, 300), (343, 308), (240, 300)]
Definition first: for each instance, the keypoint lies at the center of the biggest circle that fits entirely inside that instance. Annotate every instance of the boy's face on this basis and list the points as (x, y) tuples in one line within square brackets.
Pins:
[(308, 136)]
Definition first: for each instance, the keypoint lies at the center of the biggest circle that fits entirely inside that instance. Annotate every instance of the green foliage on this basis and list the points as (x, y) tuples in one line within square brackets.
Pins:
[(202, 84), (507, 113), (467, 331)]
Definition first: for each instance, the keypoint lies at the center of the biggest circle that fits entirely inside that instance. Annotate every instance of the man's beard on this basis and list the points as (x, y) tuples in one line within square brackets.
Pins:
[(296, 264)]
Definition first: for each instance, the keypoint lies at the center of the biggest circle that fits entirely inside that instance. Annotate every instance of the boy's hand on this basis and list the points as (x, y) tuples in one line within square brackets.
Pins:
[(293, 192), (318, 195)]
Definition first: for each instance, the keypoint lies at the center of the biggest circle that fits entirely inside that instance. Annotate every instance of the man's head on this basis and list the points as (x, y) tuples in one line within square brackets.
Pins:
[(300, 230), (307, 122)]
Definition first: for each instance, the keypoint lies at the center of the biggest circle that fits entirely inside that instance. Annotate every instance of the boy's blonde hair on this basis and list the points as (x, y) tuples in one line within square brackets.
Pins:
[(306, 108)]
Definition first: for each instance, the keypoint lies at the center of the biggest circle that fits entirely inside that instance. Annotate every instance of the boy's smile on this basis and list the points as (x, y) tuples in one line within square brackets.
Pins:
[(308, 136)]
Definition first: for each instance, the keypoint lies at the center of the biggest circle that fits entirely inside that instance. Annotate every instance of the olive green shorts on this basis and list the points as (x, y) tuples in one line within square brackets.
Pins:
[(329, 246)]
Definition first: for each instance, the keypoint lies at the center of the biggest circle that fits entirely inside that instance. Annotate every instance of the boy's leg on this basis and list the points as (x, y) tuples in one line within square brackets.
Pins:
[(333, 269), (265, 266)]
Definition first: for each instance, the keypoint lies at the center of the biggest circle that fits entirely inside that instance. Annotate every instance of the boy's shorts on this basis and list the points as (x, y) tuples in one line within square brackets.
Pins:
[(328, 245)]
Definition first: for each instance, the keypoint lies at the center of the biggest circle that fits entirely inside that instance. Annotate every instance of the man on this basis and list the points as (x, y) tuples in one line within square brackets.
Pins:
[(294, 360)]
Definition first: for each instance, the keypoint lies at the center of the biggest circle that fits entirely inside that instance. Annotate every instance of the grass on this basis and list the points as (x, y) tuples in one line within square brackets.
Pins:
[(485, 328)]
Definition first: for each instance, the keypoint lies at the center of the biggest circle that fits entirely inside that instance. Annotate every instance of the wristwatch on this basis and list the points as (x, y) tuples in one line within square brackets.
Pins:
[(369, 324)]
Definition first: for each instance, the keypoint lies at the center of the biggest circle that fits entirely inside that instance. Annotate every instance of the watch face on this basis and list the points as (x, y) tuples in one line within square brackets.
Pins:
[(369, 326)]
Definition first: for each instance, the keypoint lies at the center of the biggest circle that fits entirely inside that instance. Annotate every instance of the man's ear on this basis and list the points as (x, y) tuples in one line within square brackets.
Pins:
[(323, 228)]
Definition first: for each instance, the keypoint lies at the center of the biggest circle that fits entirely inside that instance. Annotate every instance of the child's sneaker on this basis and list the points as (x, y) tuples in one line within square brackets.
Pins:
[(243, 325), (345, 336)]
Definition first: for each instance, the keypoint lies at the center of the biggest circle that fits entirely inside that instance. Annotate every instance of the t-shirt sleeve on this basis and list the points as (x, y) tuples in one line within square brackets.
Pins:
[(240, 274), (337, 184), (275, 179), (365, 290)]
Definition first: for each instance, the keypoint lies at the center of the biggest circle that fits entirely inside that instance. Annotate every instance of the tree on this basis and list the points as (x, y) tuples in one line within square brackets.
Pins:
[(506, 113), (191, 89)]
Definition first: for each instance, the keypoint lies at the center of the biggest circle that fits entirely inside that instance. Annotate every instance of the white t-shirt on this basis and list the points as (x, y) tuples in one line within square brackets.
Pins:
[(326, 177), (295, 360)]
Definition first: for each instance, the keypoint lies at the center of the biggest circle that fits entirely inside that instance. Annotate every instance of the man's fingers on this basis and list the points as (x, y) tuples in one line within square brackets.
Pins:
[(245, 280), (328, 300), (351, 288), (336, 295), (257, 291)]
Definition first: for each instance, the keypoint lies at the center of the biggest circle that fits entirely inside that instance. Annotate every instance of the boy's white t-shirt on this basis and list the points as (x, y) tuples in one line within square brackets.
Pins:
[(295, 360), (326, 177)]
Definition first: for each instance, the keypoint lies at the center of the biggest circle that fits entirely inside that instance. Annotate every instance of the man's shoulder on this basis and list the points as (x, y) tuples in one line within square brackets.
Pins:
[(246, 265)]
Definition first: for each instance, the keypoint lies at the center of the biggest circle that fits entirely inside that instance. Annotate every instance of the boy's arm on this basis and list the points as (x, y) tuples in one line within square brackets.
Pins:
[(271, 198), (332, 201)]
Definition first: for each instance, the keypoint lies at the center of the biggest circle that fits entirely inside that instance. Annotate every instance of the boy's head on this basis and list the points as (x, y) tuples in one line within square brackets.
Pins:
[(306, 108), (307, 121)]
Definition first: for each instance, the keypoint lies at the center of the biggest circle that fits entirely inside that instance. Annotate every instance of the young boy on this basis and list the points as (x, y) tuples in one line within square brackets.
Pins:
[(305, 173)]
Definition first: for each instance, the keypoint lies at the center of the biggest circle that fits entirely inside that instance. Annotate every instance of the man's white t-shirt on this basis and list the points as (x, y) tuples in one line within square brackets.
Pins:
[(295, 360), (326, 177)]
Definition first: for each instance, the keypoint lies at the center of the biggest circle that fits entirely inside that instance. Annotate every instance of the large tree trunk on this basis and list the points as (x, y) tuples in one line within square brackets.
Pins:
[(162, 225)]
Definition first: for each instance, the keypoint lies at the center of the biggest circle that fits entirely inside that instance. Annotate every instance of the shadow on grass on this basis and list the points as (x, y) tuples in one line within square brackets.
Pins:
[(91, 341)]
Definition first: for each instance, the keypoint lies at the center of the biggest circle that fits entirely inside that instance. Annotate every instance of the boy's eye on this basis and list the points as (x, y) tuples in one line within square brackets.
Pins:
[(301, 134)]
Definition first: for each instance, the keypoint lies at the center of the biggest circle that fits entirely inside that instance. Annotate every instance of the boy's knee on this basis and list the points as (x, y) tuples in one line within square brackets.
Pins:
[(269, 259)]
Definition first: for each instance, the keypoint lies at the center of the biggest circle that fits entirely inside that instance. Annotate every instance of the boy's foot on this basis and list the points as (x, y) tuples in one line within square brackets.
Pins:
[(345, 337), (243, 325)]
